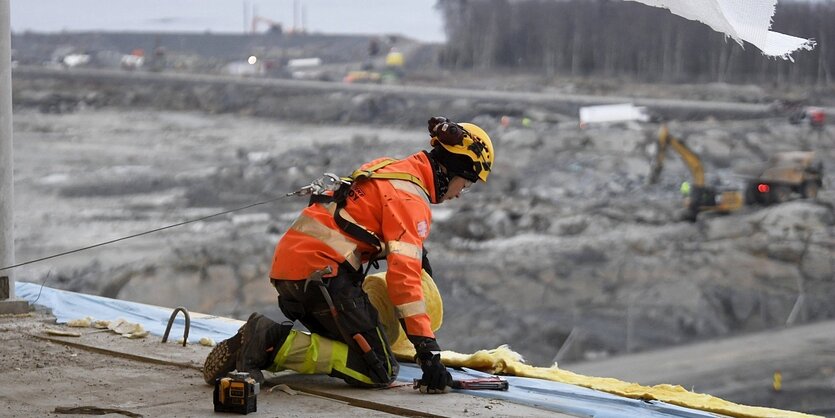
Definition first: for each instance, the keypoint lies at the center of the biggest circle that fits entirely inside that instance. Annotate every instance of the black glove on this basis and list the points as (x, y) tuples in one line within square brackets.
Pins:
[(447, 131), (435, 379)]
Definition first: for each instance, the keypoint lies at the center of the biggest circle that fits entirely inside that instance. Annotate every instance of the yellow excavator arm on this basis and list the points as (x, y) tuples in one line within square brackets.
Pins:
[(701, 198), (690, 159)]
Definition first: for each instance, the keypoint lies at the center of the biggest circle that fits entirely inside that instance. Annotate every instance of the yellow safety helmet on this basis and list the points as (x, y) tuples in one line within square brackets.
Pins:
[(476, 145)]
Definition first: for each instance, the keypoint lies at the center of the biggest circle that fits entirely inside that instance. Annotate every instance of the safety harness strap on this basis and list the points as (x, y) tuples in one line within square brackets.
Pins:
[(361, 173), (401, 176), (341, 198), (371, 173), (354, 230)]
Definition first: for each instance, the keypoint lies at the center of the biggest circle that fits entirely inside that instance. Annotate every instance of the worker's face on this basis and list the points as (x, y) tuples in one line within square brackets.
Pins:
[(456, 186)]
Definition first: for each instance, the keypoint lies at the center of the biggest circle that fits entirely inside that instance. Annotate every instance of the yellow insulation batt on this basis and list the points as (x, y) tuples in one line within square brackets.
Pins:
[(503, 360)]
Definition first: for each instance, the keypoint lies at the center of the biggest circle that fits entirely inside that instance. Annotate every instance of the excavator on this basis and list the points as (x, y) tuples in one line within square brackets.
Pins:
[(701, 198)]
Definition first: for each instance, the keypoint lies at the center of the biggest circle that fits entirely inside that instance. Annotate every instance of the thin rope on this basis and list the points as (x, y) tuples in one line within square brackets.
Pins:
[(42, 285), (143, 233)]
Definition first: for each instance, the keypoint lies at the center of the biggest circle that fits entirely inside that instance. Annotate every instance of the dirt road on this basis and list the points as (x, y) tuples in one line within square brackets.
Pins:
[(507, 99)]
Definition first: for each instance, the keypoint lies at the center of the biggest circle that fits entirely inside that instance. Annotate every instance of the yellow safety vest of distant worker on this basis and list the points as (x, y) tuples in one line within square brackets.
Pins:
[(394, 58), (685, 188)]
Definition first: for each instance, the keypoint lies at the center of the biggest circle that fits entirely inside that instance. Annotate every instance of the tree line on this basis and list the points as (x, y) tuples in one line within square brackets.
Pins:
[(622, 38)]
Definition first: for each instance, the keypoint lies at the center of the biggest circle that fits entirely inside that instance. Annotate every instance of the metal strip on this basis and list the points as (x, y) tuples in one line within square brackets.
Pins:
[(115, 353), (362, 403)]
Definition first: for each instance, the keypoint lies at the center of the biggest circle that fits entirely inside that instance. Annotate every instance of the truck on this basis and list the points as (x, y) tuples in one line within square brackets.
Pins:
[(785, 176)]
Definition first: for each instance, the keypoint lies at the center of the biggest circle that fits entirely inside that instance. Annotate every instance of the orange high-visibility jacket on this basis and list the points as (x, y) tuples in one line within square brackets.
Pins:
[(396, 211)]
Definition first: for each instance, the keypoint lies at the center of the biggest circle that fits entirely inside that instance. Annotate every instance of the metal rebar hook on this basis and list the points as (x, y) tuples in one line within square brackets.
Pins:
[(171, 322)]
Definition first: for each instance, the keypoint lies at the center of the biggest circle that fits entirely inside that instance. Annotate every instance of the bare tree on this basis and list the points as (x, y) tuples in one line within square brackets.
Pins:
[(599, 37)]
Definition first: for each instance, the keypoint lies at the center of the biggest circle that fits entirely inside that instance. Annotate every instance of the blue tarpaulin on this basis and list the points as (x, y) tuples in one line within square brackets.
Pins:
[(66, 306)]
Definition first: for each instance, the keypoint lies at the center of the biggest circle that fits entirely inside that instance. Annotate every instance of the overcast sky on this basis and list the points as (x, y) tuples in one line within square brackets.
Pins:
[(414, 18)]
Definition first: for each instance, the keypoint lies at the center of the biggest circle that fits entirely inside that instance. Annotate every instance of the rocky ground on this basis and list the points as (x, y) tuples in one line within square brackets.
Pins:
[(566, 238)]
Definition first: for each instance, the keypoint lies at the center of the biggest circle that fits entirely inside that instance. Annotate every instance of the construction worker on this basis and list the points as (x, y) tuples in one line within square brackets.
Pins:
[(318, 269), (684, 189)]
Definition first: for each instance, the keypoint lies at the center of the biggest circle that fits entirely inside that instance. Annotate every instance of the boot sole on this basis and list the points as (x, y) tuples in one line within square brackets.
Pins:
[(221, 360)]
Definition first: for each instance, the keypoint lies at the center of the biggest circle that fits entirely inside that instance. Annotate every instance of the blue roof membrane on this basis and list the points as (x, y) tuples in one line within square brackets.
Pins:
[(542, 394), (67, 306)]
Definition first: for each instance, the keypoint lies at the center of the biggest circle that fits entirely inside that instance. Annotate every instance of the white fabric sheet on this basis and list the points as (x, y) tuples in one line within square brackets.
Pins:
[(742, 20)]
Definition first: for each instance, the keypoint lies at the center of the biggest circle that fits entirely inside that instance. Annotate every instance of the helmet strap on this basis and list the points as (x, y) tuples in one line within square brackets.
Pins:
[(440, 176)]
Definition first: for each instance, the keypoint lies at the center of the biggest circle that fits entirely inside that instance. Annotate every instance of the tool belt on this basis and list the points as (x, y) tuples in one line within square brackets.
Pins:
[(297, 303), (296, 310)]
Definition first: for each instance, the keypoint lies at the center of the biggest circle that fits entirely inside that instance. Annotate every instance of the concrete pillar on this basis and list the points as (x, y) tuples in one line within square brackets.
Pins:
[(7, 256)]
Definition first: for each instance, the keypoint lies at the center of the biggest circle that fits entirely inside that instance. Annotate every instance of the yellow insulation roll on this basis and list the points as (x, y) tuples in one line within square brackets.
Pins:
[(503, 360), (375, 286)]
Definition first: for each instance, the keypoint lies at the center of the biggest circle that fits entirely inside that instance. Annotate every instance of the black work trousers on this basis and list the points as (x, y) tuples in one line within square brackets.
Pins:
[(356, 315)]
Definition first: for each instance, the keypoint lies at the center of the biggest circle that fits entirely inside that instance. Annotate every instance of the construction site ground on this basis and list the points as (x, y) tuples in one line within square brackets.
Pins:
[(40, 372)]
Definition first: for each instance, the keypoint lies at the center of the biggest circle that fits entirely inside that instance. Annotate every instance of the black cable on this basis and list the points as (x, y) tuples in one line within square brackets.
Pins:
[(42, 285), (143, 233)]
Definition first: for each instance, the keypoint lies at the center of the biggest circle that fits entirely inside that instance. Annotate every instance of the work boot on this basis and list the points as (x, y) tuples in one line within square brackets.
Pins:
[(261, 338), (221, 360)]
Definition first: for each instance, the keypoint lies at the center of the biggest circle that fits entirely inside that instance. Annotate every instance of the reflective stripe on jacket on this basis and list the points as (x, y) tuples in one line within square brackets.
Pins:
[(396, 211)]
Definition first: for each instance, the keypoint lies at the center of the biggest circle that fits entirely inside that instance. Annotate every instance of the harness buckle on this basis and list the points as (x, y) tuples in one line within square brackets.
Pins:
[(316, 277), (329, 182)]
